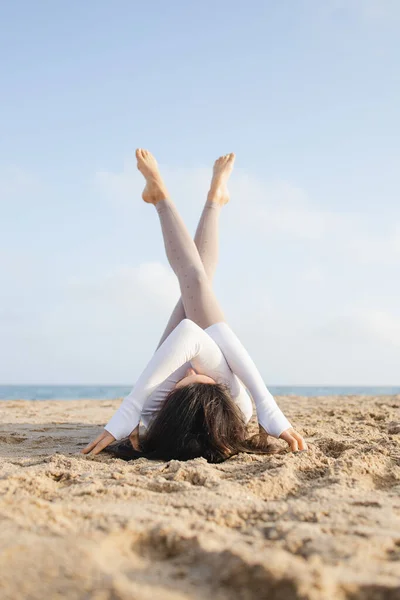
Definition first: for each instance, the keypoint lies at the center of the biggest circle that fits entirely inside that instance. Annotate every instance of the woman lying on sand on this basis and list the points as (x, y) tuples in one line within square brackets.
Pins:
[(191, 396)]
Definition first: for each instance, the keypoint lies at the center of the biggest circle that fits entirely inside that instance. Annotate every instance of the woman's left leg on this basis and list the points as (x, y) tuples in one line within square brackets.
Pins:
[(207, 232), (199, 300)]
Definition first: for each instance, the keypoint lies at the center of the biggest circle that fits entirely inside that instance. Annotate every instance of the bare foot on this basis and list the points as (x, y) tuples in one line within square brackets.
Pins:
[(155, 189), (222, 169)]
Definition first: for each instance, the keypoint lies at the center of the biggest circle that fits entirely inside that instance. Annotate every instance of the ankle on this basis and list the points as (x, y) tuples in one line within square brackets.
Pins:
[(212, 202), (217, 197)]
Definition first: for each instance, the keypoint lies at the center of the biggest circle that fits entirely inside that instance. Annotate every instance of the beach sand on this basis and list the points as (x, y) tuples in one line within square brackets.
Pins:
[(314, 525)]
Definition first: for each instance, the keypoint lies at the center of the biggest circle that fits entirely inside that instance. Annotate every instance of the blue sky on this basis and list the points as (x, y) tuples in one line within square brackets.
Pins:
[(305, 92)]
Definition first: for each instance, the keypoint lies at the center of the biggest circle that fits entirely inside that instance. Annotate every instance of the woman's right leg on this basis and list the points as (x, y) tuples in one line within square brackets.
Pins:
[(207, 232), (199, 301)]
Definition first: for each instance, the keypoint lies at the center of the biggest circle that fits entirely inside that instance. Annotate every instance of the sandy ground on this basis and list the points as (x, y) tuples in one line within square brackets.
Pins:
[(315, 525)]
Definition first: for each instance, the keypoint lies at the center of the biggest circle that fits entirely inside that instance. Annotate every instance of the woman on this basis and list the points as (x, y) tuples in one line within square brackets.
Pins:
[(191, 396)]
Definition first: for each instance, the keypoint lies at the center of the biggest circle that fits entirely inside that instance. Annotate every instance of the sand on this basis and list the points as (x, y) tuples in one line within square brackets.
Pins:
[(320, 524)]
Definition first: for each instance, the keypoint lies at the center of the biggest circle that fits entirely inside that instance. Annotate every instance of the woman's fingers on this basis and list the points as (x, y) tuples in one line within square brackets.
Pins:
[(294, 439), (287, 436), (90, 446), (102, 440), (300, 439), (294, 445), (108, 439)]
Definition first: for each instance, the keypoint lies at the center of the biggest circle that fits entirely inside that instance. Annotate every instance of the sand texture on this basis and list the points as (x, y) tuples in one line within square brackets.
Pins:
[(324, 524)]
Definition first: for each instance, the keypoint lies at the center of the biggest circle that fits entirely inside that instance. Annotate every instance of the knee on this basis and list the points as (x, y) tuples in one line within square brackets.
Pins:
[(197, 276)]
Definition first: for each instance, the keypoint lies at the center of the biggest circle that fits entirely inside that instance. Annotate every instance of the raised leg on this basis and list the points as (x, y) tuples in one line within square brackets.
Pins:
[(199, 301), (207, 233)]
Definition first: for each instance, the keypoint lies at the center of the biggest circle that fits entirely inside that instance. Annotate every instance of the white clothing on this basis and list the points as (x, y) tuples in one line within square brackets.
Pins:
[(155, 400), (216, 352)]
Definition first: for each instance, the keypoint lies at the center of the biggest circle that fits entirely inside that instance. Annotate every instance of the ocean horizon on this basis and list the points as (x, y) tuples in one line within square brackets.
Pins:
[(109, 392)]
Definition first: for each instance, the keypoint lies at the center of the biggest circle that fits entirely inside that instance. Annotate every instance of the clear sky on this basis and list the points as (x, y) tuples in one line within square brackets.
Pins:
[(306, 93)]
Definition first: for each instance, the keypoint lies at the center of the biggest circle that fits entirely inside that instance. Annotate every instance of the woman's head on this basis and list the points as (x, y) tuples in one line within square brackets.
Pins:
[(198, 418)]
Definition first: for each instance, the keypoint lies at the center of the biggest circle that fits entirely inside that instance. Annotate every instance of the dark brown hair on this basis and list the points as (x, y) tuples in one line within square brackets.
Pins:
[(199, 419)]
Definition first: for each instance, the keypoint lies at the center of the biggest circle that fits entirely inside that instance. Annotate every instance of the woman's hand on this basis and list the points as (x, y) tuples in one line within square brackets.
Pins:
[(294, 439), (105, 439), (101, 442)]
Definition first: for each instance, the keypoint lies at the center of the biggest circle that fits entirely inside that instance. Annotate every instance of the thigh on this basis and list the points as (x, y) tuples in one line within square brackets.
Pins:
[(199, 300)]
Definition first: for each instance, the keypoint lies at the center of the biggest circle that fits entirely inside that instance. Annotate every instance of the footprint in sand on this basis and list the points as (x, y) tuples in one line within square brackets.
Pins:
[(11, 439)]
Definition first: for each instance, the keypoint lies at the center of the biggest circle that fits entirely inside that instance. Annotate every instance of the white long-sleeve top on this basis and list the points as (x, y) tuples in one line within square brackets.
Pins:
[(216, 352)]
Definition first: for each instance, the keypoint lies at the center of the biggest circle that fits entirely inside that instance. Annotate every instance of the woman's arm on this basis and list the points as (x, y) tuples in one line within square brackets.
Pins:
[(270, 416), (188, 343), (181, 346)]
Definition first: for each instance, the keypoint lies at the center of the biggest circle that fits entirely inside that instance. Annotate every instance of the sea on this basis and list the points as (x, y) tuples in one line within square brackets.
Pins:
[(109, 392)]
